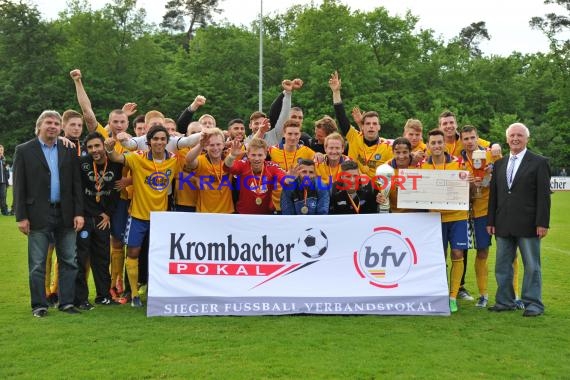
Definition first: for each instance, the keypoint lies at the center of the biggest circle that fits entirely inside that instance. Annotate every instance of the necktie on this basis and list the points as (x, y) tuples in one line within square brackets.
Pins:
[(510, 170)]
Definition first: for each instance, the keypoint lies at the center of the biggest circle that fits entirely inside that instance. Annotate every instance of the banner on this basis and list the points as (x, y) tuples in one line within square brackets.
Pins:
[(560, 183), (220, 264)]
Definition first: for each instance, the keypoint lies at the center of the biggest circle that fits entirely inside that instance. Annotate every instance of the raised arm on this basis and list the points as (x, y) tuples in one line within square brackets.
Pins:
[(186, 116), (192, 156), (335, 85), (112, 153), (132, 143), (357, 116), (264, 128), (187, 141), (277, 132), (84, 102), (277, 106), (235, 152), (130, 108)]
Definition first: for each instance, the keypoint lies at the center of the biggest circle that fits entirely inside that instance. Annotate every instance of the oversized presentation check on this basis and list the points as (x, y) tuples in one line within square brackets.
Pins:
[(434, 189)]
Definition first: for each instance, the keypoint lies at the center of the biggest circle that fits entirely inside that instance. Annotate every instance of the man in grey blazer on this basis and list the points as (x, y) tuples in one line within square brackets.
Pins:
[(48, 203), (519, 217)]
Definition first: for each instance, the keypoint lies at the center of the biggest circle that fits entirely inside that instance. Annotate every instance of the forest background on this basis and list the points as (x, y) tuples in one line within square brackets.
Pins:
[(386, 64)]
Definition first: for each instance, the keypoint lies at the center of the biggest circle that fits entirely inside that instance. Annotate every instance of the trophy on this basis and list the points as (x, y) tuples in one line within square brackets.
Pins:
[(383, 179), (479, 169)]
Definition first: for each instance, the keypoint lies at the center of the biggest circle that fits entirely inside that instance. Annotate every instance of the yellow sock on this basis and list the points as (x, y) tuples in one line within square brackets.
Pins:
[(55, 277), (457, 266), (516, 277), (133, 273), (48, 271), (117, 264), (482, 275)]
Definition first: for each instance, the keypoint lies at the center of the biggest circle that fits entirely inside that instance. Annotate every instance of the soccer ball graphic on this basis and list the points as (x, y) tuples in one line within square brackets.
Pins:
[(313, 243)]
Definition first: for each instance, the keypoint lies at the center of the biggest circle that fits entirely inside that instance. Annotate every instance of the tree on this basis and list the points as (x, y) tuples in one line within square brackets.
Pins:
[(470, 37), (554, 133), (199, 12), (28, 71)]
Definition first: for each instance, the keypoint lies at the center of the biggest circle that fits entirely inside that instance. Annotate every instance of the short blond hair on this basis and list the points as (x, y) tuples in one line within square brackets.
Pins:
[(152, 114), (257, 143), (205, 116), (334, 136), (210, 132), (413, 124)]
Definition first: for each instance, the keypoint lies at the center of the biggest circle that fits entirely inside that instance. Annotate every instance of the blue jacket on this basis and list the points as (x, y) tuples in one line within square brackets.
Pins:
[(293, 198)]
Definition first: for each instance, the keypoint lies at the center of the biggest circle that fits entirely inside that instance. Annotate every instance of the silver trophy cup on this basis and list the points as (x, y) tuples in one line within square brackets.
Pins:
[(384, 174)]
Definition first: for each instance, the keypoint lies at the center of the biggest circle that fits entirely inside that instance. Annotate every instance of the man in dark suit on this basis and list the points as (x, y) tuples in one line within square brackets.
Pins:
[(49, 203), (519, 216), (4, 182)]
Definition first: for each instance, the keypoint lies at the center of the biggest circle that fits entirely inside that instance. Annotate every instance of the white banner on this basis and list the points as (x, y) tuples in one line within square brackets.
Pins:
[(560, 183), (219, 264)]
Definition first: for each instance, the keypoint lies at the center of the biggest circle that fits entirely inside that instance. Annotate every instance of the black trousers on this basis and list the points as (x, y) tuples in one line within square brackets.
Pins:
[(3, 204), (93, 246)]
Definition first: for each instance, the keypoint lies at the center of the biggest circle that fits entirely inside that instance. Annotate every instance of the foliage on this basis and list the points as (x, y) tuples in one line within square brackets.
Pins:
[(386, 63)]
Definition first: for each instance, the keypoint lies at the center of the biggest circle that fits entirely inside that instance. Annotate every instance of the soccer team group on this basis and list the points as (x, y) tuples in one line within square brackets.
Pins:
[(193, 166)]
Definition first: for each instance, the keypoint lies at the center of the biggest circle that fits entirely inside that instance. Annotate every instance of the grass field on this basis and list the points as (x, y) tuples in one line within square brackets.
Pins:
[(121, 343)]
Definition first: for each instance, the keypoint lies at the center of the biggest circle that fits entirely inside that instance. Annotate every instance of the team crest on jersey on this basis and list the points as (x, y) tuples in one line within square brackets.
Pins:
[(159, 180), (377, 156)]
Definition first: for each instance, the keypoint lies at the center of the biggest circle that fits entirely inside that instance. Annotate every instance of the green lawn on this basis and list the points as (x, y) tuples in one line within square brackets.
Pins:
[(120, 342)]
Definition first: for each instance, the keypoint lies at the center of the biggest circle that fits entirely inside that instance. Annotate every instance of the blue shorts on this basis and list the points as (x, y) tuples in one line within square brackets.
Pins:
[(454, 233), (119, 219), (482, 238), (136, 231)]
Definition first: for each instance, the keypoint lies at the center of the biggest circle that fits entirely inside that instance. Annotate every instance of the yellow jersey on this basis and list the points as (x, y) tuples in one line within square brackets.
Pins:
[(328, 175), (151, 180), (287, 161), (367, 157), (455, 148), (185, 196), (420, 147), (214, 188)]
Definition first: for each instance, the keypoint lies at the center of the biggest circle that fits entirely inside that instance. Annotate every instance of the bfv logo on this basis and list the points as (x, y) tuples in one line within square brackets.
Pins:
[(385, 257), (371, 259)]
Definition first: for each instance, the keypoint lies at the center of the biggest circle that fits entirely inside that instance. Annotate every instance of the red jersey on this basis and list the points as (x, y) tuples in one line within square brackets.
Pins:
[(255, 190)]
